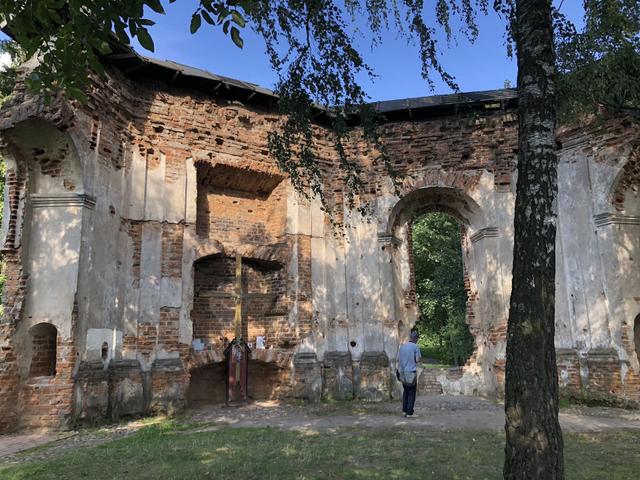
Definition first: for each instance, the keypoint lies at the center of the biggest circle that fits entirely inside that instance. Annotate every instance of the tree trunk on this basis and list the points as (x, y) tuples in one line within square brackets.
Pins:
[(534, 439)]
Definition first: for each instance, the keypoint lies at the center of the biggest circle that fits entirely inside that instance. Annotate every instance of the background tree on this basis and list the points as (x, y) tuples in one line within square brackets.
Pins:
[(441, 297), (599, 66)]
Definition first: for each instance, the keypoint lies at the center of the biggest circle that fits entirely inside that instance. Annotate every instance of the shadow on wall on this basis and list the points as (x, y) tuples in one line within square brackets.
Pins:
[(207, 386), (264, 306)]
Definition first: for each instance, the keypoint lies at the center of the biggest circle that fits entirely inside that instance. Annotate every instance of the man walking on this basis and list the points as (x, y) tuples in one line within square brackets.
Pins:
[(408, 359)]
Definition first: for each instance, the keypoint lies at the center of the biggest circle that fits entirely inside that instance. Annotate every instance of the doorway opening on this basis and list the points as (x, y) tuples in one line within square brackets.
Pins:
[(441, 287)]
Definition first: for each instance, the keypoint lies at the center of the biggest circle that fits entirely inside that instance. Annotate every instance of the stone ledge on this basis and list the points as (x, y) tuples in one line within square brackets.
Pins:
[(62, 200), (604, 219)]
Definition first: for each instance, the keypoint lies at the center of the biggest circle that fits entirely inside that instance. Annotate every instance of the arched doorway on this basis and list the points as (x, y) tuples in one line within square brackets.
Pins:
[(486, 264), (42, 241), (619, 232)]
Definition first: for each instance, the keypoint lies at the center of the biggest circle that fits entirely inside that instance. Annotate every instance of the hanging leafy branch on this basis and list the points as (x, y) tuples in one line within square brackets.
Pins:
[(310, 44), (69, 36), (311, 48)]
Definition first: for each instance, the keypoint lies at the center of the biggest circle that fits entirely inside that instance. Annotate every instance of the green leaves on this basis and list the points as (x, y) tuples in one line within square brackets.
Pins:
[(9, 73), (71, 35), (224, 13), (145, 39), (155, 5), (237, 18), (196, 22), (599, 65), (235, 36)]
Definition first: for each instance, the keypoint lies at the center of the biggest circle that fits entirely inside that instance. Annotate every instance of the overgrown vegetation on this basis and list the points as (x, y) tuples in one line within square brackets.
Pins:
[(438, 268), (599, 65), (168, 450)]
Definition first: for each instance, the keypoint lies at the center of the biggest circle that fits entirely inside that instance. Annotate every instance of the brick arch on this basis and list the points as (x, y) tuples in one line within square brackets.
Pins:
[(49, 156), (627, 182), (451, 193), (42, 239), (448, 199)]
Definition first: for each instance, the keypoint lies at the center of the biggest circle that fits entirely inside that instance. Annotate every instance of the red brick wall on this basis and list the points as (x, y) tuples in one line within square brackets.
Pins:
[(242, 217), (169, 329), (9, 378), (636, 336), (629, 178), (264, 308), (46, 402), (172, 236)]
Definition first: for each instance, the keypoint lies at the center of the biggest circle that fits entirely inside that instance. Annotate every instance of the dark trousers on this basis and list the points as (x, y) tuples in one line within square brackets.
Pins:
[(408, 398)]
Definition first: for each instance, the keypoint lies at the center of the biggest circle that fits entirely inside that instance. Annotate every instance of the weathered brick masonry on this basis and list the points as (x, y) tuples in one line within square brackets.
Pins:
[(124, 216)]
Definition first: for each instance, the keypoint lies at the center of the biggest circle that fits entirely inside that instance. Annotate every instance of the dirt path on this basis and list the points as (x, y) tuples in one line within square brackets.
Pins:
[(444, 413), (433, 412)]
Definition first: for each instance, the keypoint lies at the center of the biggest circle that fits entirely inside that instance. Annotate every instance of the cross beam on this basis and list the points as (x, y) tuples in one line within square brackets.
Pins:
[(237, 322)]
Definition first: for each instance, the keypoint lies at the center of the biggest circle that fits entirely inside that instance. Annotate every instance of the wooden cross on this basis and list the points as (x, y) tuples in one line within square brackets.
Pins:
[(237, 322), (238, 351)]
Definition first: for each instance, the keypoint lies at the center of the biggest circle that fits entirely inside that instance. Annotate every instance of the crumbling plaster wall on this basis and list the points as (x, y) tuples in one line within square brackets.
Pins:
[(598, 278), (134, 240), (128, 224), (363, 301)]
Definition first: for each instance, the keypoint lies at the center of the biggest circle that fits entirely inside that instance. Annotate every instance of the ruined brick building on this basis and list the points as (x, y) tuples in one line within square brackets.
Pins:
[(123, 217)]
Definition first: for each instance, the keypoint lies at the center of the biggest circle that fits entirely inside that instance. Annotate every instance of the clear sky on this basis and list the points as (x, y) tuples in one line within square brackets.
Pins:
[(481, 66)]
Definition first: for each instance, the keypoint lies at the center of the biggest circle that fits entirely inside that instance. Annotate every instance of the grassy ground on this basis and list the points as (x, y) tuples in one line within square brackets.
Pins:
[(172, 451)]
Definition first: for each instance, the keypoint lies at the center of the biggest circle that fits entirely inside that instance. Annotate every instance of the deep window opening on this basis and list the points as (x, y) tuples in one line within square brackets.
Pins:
[(440, 289)]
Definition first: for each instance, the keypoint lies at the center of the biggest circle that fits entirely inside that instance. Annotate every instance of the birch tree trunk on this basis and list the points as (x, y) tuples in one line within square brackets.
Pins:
[(533, 436)]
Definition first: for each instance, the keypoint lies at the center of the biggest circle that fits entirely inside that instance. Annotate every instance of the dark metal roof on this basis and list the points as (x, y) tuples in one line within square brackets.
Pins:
[(487, 96), (137, 66)]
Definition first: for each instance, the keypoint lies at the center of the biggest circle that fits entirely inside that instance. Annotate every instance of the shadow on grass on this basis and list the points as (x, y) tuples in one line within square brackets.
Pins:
[(172, 450)]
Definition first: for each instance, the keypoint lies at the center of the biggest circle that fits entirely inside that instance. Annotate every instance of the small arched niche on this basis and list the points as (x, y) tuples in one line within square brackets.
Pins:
[(44, 339)]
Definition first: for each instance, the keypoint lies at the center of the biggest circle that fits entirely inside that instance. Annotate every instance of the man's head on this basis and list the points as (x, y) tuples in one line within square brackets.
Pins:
[(413, 336)]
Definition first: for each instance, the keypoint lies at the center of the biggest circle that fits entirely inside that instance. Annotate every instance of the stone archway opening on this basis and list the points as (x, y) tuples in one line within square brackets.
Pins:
[(485, 307), (441, 289)]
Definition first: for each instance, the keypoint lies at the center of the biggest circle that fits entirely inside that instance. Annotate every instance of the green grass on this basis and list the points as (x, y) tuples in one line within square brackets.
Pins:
[(168, 451)]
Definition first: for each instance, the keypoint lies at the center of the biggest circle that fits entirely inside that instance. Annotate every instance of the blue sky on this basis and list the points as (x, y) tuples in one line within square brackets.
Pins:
[(481, 66)]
